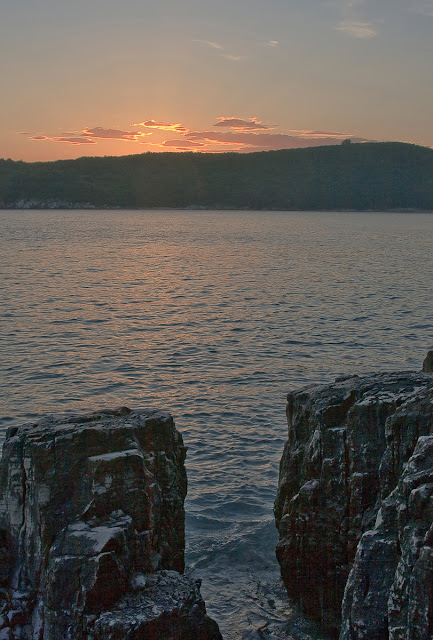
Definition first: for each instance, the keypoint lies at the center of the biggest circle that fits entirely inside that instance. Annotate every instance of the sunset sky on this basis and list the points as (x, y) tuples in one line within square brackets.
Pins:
[(103, 77)]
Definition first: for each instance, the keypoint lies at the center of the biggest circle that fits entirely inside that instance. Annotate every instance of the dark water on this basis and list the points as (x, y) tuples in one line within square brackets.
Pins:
[(214, 316)]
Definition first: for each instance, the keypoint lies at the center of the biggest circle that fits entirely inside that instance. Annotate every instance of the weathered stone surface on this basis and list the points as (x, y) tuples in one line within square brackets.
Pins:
[(427, 365), (353, 506), (91, 511), (166, 606)]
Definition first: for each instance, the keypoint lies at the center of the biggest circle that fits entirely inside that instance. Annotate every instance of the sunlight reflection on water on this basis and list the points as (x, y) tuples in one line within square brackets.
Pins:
[(212, 315)]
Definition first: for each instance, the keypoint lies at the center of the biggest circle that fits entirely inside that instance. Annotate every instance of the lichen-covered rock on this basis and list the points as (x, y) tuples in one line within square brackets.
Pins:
[(353, 506), (90, 506)]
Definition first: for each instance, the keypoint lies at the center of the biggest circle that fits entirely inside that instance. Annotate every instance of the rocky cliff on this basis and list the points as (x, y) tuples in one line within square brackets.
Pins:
[(92, 531), (355, 505)]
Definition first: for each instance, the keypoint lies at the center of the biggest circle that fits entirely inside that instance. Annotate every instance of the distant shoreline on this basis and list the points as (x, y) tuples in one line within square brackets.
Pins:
[(385, 176), (90, 207)]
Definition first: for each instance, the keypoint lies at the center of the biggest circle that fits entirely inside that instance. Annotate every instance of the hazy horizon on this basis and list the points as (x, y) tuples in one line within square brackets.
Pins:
[(102, 78)]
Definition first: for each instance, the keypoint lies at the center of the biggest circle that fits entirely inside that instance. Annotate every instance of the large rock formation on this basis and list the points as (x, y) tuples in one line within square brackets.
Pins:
[(355, 506), (92, 531)]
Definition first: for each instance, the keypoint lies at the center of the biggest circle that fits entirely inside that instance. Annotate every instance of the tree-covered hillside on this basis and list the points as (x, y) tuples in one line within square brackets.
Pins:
[(376, 176)]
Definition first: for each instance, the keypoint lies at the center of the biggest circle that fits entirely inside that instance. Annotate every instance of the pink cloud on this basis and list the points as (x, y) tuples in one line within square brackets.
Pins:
[(267, 141), (69, 140), (240, 135), (113, 134), (183, 145), (77, 140), (91, 136), (241, 125)]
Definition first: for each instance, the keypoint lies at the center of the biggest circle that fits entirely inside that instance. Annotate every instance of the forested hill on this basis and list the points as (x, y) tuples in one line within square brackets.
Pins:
[(378, 176)]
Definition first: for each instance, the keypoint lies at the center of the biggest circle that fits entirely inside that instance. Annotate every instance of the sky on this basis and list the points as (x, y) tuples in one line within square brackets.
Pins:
[(104, 77)]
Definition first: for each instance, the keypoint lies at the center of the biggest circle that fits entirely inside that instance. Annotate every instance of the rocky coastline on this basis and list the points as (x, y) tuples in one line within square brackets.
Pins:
[(354, 507), (92, 519), (92, 531)]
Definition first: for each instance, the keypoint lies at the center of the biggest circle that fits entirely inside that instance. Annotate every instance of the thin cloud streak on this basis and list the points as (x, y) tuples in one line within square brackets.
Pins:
[(209, 43), (270, 141), (343, 5), (425, 9), (311, 134), (182, 144), (362, 30), (233, 58), (220, 48), (75, 140)]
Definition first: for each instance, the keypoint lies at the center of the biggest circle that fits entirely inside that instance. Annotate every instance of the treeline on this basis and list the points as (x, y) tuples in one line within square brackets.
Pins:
[(377, 176)]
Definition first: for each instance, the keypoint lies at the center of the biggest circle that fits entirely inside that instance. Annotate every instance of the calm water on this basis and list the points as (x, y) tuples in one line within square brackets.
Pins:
[(214, 316)]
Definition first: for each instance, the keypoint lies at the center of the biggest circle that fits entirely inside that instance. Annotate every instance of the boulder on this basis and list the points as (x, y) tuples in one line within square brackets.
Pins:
[(354, 506), (92, 531)]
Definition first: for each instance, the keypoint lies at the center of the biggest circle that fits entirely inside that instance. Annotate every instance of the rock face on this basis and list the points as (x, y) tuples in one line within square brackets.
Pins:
[(427, 365), (92, 531), (355, 506)]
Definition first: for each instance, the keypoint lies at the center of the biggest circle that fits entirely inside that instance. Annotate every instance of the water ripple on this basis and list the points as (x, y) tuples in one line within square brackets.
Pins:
[(212, 315)]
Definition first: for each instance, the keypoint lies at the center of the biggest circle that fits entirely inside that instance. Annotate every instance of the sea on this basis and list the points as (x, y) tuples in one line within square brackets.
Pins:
[(215, 316)]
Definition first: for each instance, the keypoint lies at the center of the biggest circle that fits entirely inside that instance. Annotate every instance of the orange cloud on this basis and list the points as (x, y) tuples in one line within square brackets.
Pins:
[(241, 135), (163, 126), (241, 125)]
